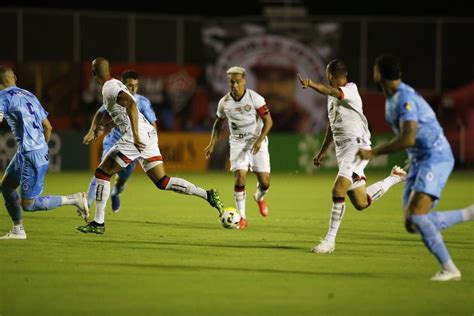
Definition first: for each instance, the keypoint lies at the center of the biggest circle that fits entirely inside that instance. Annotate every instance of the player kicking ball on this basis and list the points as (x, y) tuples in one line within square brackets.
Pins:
[(249, 124), (139, 141), (349, 131)]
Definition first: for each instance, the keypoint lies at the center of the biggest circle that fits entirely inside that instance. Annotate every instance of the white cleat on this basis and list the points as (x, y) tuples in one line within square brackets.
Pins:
[(444, 275), (82, 206), (324, 247), (399, 172), (14, 235)]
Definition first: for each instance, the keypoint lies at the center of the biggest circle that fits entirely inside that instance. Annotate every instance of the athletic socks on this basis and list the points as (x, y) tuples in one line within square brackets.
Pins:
[(337, 213), (239, 198)]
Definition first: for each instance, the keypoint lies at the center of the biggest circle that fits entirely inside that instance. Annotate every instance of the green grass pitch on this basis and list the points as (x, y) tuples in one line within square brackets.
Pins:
[(166, 254)]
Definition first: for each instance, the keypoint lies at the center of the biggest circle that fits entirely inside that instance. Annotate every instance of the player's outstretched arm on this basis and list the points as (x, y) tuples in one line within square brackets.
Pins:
[(320, 87), (216, 131)]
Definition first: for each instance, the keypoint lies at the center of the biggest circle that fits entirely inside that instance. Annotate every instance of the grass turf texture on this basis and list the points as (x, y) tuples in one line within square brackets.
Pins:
[(166, 254)]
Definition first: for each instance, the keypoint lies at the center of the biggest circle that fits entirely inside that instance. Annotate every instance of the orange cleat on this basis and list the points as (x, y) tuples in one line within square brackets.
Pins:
[(242, 223), (262, 206)]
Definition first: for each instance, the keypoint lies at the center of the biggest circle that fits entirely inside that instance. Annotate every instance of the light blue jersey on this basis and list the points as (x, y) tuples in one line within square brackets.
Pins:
[(144, 106), (431, 158), (24, 114)]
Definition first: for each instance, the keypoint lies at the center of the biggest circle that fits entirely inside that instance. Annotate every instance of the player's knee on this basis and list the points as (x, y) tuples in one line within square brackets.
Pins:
[(162, 183), (410, 227), (101, 174), (28, 206)]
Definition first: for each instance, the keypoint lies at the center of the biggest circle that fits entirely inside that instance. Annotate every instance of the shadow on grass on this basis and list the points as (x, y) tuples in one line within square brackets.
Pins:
[(194, 268)]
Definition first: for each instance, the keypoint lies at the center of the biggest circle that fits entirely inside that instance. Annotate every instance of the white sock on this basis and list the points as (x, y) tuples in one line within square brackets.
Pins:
[(72, 199), (102, 193), (376, 190), (239, 197), (260, 193), (468, 213), (337, 212), (182, 186), (450, 266)]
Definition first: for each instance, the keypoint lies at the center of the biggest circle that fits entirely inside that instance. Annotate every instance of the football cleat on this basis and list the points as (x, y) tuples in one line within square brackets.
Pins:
[(242, 223), (262, 206), (92, 227), (82, 206), (214, 200), (115, 199), (399, 172), (12, 234), (324, 247), (444, 275)]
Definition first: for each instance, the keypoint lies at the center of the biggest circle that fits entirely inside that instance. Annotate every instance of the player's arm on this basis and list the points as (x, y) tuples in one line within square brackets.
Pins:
[(318, 159), (47, 129), (267, 126), (125, 100), (96, 129), (405, 139), (216, 131), (320, 87)]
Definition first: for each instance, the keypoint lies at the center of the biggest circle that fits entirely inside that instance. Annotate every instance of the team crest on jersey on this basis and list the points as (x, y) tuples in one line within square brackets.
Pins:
[(408, 106), (247, 107)]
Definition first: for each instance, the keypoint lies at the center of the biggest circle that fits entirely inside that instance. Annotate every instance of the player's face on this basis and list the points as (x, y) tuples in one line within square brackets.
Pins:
[(236, 84), (132, 85)]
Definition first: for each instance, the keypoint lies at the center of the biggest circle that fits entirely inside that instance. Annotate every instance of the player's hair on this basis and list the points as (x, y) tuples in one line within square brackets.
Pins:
[(337, 68), (236, 70), (5, 71), (129, 74), (389, 67)]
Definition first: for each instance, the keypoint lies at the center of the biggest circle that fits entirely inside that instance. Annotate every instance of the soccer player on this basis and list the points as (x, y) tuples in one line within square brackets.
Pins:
[(130, 80), (430, 162), (32, 131), (249, 123), (349, 131), (139, 141)]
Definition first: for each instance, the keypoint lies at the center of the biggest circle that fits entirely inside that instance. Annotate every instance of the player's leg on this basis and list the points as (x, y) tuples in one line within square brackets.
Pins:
[(240, 178), (376, 190), (156, 172), (11, 181), (427, 188), (339, 190), (110, 165), (261, 167), (119, 185), (33, 172), (263, 187)]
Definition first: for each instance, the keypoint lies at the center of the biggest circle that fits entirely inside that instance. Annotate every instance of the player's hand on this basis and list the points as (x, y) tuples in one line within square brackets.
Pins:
[(365, 154), (305, 82), (318, 159), (208, 151), (256, 147), (89, 137)]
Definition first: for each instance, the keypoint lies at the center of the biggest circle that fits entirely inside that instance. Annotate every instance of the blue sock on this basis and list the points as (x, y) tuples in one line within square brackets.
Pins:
[(444, 220), (117, 189), (91, 192), (431, 237), (44, 203), (12, 203)]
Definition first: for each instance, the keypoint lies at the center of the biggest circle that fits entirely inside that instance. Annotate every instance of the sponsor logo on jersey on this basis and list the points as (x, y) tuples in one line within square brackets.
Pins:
[(408, 107)]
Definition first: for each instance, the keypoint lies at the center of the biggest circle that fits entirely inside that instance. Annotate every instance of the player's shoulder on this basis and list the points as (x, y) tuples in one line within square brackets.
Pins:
[(350, 86), (226, 98), (142, 99), (255, 96)]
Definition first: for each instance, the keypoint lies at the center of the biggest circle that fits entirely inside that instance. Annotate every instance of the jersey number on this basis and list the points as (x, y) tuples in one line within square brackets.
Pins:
[(32, 112)]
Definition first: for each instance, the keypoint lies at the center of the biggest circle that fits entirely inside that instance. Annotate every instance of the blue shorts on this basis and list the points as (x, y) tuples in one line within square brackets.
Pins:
[(427, 176), (29, 169)]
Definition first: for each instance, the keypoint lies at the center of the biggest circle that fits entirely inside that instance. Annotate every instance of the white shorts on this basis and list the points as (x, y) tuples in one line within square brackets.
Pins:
[(124, 152), (350, 165), (241, 157)]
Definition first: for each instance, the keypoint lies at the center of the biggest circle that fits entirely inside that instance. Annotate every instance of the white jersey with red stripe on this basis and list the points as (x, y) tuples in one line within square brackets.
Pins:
[(346, 117), (110, 92), (243, 115)]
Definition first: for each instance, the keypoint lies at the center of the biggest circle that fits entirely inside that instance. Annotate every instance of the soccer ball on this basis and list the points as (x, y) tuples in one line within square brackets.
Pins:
[(230, 218)]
